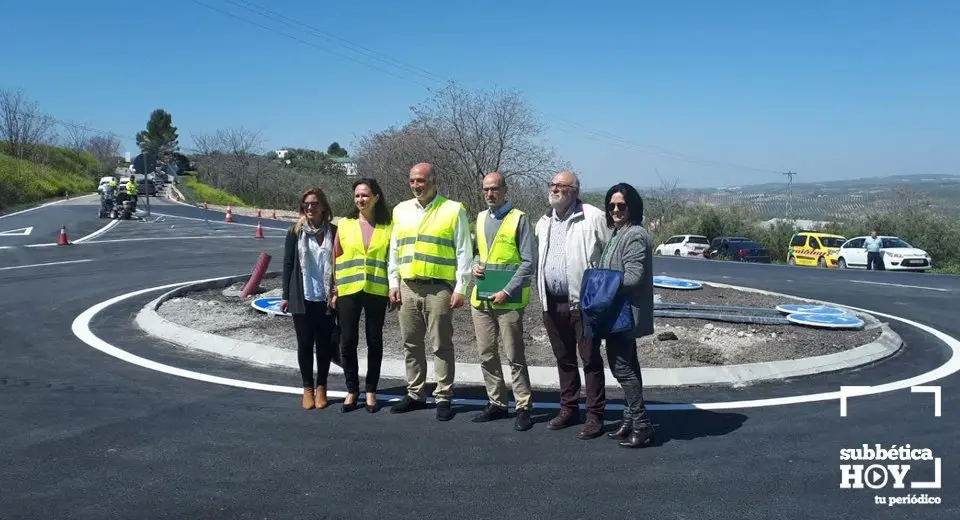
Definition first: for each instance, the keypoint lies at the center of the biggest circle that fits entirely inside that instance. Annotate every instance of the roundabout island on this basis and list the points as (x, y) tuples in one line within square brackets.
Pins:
[(706, 334)]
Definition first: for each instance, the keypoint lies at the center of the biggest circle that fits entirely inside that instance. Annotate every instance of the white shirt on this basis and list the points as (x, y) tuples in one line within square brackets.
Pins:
[(314, 267), (461, 239)]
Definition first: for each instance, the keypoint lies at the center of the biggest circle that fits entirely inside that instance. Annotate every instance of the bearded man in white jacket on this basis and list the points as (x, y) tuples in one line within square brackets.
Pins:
[(571, 238)]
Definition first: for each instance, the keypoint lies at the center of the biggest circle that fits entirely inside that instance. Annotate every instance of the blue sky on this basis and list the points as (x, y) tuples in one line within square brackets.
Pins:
[(705, 92)]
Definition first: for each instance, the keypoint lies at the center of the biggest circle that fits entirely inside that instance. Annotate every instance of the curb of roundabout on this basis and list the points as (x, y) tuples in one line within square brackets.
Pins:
[(541, 377)]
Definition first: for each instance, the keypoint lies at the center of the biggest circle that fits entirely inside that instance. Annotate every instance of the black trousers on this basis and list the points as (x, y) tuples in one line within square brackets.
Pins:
[(374, 308), (625, 365), (314, 336), (875, 261)]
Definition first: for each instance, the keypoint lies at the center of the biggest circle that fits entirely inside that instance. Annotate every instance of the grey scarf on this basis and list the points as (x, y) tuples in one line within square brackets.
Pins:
[(308, 233)]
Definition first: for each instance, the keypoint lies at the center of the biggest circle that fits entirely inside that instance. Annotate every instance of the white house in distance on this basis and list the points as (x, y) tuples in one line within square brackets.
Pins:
[(350, 167), (281, 153)]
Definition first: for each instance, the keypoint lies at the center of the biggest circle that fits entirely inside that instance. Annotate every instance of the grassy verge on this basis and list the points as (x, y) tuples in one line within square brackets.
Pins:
[(951, 268), (204, 193), (23, 183)]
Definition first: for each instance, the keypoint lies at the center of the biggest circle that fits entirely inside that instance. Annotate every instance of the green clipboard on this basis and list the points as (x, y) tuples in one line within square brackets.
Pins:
[(493, 282)]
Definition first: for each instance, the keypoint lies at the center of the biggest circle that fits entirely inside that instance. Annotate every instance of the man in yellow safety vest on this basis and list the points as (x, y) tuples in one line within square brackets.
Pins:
[(506, 248), (132, 190), (429, 266)]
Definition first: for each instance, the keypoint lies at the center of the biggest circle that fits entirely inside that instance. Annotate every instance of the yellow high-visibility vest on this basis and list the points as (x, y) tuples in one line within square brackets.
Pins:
[(361, 268), (502, 255), (131, 188), (425, 247)]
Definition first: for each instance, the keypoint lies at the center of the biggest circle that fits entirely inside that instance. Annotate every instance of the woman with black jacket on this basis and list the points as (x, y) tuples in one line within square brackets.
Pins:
[(307, 293)]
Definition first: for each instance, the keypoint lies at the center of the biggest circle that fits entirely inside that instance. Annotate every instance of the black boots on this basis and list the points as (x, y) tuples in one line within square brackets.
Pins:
[(623, 431), (633, 437), (640, 437)]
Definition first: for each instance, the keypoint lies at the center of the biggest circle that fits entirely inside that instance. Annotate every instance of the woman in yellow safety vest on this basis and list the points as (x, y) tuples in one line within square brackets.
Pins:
[(360, 251)]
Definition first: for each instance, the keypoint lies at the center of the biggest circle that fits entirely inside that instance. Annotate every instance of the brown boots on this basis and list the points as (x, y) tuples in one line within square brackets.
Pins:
[(315, 398), (308, 399)]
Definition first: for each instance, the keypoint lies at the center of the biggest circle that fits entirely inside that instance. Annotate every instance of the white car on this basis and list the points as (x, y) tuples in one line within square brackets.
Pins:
[(683, 245), (896, 253)]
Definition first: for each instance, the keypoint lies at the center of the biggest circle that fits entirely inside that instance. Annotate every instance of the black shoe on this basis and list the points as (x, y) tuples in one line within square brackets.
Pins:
[(408, 404), (492, 412), (626, 426), (639, 437), (523, 422), (373, 409), (444, 412), (349, 407)]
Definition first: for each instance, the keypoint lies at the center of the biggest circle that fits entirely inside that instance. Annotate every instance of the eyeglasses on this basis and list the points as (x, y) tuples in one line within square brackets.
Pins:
[(555, 185), (306, 205), (622, 206)]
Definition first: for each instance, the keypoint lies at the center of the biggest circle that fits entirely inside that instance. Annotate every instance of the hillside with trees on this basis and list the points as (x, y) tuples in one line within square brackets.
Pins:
[(42, 158), (465, 134)]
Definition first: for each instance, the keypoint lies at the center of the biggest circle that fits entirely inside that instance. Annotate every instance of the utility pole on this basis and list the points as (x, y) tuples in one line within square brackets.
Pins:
[(790, 194), (146, 187)]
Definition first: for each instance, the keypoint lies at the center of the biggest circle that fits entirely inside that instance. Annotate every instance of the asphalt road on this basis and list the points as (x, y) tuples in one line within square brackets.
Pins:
[(87, 435), (78, 215)]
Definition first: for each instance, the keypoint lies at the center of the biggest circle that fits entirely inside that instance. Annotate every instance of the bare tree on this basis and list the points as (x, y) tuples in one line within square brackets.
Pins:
[(225, 157), (106, 149), (76, 137), (22, 125), (465, 135), (664, 204), (234, 160), (389, 155)]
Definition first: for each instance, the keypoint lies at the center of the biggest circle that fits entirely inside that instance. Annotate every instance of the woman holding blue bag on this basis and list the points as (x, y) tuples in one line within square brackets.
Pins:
[(621, 310)]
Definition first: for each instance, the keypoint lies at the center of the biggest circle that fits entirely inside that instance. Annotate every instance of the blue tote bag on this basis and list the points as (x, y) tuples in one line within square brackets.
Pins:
[(602, 310)]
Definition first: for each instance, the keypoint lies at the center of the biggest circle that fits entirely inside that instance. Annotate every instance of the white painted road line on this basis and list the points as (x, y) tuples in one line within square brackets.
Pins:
[(271, 221), (153, 239), (95, 234), (81, 329), (901, 285), (22, 232), (46, 264)]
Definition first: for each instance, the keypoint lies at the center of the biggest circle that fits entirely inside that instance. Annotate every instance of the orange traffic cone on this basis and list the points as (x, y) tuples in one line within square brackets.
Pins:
[(63, 241), (259, 213), (274, 217), (229, 217), (259, 233)]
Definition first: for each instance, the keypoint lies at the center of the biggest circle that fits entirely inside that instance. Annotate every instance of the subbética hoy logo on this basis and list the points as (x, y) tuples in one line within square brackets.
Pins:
[(875, 466), (889, 467)]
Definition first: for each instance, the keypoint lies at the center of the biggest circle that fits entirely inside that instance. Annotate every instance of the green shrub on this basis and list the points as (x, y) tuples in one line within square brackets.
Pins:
[(203, 193), (23, 182)]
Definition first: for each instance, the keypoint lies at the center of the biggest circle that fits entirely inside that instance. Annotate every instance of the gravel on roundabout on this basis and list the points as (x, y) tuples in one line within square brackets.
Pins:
[(694, 342)]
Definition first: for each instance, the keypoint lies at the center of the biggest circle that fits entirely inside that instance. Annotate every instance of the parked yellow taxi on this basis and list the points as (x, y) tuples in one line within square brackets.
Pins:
[(814, 248)]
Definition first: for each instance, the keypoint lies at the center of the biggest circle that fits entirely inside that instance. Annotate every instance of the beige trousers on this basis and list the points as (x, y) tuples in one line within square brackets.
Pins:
[(507, 327), (426, 317)]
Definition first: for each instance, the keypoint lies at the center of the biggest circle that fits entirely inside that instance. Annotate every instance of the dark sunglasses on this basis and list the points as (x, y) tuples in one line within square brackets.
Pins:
[(306, 205), (622, 206)]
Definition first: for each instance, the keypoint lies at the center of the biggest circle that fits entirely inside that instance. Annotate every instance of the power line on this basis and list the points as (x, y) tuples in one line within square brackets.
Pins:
[(433, 78)]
